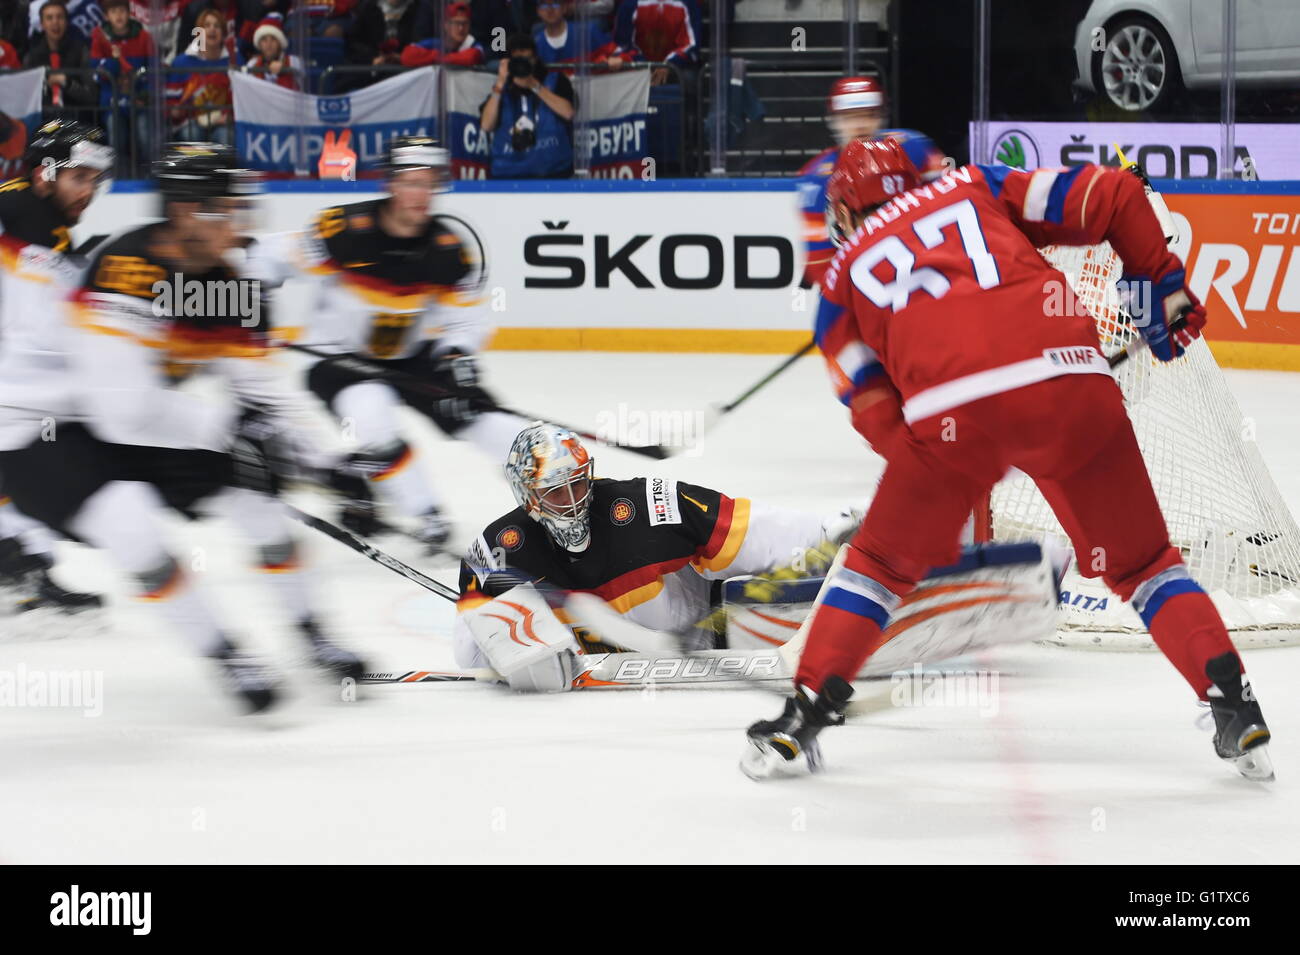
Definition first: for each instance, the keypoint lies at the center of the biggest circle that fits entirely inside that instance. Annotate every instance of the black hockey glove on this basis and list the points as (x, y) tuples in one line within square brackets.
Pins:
[(457, 369), (261, 452)]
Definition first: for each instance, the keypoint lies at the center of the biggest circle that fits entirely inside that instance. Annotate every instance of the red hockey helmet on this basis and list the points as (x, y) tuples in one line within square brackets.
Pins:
[(868, 173), (855, 92)]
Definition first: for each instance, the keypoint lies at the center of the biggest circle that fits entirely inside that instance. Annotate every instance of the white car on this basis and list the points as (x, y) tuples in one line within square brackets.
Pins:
[(1152, 48)]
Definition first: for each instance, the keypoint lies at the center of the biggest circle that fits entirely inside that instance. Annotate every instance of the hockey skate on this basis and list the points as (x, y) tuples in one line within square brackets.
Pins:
[(339, 662), (788, 745), (41, 606), (1241, 736), (251, 680)]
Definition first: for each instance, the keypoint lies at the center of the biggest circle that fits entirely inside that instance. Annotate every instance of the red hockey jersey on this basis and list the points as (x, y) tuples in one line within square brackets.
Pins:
[(942, 292)]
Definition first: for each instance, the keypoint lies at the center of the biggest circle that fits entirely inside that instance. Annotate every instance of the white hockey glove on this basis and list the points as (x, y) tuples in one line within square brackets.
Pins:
[(524, 641)]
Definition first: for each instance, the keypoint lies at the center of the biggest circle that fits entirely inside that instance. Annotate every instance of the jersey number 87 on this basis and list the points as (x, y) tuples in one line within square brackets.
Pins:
[(929, 230)]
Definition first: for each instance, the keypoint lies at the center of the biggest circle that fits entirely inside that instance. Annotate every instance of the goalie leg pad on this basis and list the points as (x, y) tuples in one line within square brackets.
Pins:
[(524, 641)]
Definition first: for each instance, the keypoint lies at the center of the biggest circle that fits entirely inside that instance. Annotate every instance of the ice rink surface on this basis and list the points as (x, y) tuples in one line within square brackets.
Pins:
[(1083, 757)]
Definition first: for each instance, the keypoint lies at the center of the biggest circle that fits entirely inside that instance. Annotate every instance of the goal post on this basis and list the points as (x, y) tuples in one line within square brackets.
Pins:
[(1225, 514)]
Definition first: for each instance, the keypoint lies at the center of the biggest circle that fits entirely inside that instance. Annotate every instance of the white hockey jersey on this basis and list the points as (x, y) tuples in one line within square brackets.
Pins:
[(373, 294)]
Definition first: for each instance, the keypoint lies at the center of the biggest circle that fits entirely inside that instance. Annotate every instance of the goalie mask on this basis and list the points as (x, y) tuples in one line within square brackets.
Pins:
[(550, 475)]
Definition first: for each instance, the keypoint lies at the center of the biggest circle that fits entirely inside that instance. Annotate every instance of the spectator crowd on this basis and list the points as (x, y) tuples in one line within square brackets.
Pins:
[(99, 56)]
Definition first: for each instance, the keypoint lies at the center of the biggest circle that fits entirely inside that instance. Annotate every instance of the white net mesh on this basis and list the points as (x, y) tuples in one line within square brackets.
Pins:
[(1223, 510)]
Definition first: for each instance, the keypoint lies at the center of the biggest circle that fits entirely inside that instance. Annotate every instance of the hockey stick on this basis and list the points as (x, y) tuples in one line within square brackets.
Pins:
[(404, 381), (1136, 348), (366, 549), (716, 412)]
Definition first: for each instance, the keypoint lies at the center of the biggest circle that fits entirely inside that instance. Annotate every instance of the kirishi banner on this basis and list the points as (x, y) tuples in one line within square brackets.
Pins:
[(617, 108), (1164, 150), (20, 114), (279, 130)]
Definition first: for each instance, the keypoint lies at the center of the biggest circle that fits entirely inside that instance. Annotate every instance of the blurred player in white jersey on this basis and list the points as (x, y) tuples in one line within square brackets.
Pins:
[(130, 439), (67, 164), (395, 287)]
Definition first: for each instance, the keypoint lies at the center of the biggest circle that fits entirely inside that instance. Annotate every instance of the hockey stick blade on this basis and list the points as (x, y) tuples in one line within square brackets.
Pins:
[(432, 676)]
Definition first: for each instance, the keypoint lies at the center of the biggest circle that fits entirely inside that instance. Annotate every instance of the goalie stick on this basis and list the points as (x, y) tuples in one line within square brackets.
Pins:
[(404, 381)]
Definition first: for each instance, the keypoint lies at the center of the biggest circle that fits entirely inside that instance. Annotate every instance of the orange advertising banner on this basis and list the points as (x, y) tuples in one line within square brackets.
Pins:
[(1242, 256)]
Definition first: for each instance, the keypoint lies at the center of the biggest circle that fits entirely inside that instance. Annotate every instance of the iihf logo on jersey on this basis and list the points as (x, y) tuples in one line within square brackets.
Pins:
[(211, 298)]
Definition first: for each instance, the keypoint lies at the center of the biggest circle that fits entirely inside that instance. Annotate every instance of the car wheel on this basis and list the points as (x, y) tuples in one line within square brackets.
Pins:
[(1138, 69)]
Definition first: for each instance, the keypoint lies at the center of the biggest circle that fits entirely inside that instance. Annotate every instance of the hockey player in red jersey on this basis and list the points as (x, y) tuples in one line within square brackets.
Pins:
[(938, 337), (855, 109)]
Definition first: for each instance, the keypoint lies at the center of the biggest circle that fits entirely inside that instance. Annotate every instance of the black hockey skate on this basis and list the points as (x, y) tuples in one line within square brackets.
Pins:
[(42, 607), (1241, 736), (47, 594), (339, 662), (787, 744), (251, 680)]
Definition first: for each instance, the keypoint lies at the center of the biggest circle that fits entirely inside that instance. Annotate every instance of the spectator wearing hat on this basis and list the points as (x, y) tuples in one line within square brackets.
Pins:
[(57, 50), (558, 38), (272, 61), (457, 47)]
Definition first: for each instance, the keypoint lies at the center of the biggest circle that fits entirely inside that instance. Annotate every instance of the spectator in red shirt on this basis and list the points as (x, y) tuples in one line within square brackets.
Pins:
[(273, 61), (457, 46), (665, 31), (9, 57), (120, 45)]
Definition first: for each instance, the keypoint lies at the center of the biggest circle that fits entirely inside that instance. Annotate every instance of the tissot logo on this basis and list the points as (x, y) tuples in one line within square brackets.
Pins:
[(562, 260)]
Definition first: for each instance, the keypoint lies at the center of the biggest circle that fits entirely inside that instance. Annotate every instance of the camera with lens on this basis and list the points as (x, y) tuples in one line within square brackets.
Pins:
[(520, 66), (523, 135)]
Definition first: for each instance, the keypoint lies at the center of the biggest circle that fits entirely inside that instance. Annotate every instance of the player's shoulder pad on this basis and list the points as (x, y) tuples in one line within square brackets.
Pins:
[(346, 226), (125, 265)]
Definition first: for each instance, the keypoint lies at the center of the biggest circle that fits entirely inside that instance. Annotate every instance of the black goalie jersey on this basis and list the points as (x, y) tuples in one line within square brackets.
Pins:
[(655, 545)]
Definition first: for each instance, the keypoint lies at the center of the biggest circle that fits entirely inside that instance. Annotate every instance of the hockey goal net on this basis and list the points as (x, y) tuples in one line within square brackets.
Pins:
[(1223, 510)]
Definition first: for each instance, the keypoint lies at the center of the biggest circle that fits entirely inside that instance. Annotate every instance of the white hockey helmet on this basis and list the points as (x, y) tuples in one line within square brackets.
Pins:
[(550, 475)]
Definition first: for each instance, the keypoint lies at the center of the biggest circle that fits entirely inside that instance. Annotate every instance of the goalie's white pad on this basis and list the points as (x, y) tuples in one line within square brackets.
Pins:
[(524, 642), (997, 593)]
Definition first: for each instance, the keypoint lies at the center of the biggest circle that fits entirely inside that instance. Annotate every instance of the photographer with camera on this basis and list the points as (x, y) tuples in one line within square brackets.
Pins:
[(529, 112)]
